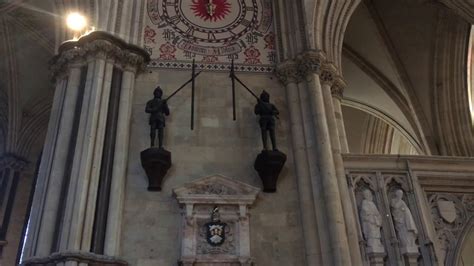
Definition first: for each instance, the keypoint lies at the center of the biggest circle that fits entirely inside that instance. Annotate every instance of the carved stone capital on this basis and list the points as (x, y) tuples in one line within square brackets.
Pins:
[(99, 45), (328, 74), (288, 72), (337, 89), (13, 162), (310, 62)]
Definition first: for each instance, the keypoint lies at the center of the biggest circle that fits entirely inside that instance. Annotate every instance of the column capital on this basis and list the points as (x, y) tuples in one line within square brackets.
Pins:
[(288, 72), (310, 62), (102, 45), (338, 86), (13, 161), (328, 74)]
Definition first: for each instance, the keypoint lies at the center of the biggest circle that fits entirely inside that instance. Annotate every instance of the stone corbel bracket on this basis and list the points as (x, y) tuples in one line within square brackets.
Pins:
[(99, 42), (233, 198)]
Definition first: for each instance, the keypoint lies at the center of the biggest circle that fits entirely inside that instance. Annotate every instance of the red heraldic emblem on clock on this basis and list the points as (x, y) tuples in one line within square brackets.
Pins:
[(211, 9)]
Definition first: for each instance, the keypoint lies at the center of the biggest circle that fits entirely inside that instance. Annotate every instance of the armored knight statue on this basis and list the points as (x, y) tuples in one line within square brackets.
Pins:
[(158, 109), (371, 221), (404, 223), (267, 113)]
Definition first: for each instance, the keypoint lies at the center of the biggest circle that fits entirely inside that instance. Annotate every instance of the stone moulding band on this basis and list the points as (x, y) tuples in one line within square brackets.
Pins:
[(77, 256)]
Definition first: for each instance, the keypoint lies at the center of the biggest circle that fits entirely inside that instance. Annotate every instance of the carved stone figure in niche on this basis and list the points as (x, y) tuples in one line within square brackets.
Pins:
[(157, 108), (371, 223), (267, 113), (404, 223)]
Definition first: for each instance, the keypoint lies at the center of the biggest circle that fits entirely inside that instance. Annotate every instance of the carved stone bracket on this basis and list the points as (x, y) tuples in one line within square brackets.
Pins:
[(103, 44), (233, 199)]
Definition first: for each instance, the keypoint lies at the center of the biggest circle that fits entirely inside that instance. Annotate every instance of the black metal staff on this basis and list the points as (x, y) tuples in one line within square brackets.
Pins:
[(232, 77), (192, 79), (247, 88), (192, 95), (184, 85)]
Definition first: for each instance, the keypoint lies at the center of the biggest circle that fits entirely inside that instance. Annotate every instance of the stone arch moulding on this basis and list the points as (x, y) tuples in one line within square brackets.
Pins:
[(330, 23), (387, 119), (469, 227), (198, 199)]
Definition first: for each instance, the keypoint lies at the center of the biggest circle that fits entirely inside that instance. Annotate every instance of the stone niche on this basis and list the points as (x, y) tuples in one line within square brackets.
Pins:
[(197, 200)]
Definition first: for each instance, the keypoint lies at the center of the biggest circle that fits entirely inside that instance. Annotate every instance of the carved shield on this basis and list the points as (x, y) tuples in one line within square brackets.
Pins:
[(215, 233), (447, 210)]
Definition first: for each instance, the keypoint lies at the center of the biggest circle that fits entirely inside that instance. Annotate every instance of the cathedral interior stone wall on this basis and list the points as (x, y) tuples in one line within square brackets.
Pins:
[(217, 145), (374, 133)]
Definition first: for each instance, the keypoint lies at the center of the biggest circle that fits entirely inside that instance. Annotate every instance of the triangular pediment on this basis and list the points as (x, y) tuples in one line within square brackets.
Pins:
[(215, 189)]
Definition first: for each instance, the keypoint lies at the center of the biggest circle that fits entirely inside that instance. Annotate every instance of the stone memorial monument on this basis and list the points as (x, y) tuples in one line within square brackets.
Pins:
[(215, 221)]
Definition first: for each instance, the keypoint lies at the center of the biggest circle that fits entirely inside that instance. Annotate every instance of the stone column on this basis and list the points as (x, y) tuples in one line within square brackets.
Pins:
[(11, 169), (55, 175), (339, 248), (289, 76), (80, 156), (79, 212), (329, 75), (114, 216), (337, 91)]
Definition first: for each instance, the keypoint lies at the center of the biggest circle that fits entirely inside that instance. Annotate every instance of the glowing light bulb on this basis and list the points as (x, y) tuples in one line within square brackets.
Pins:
[(76, 21)]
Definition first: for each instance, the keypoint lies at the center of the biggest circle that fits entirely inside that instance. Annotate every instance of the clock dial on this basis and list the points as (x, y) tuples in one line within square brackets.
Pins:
[(215, 30), (211, 21)]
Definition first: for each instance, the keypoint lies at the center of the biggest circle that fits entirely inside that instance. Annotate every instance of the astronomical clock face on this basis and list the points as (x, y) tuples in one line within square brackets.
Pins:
[(213, 32)]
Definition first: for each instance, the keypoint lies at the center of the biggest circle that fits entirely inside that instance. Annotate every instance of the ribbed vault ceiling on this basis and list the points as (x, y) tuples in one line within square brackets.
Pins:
[(26, 45)]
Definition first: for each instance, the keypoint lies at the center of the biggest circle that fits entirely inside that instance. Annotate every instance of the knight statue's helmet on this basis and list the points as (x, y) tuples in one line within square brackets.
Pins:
[(265, 97), (158, 92)]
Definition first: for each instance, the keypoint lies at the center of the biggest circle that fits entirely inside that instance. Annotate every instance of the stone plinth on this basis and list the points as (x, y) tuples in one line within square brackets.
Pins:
[(198, 199), (156, 162), (411, 258), (377, 258), (268, 165)]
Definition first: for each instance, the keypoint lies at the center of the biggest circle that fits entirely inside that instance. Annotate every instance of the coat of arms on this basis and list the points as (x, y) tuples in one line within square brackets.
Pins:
[(215, 230), (447, 210)]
